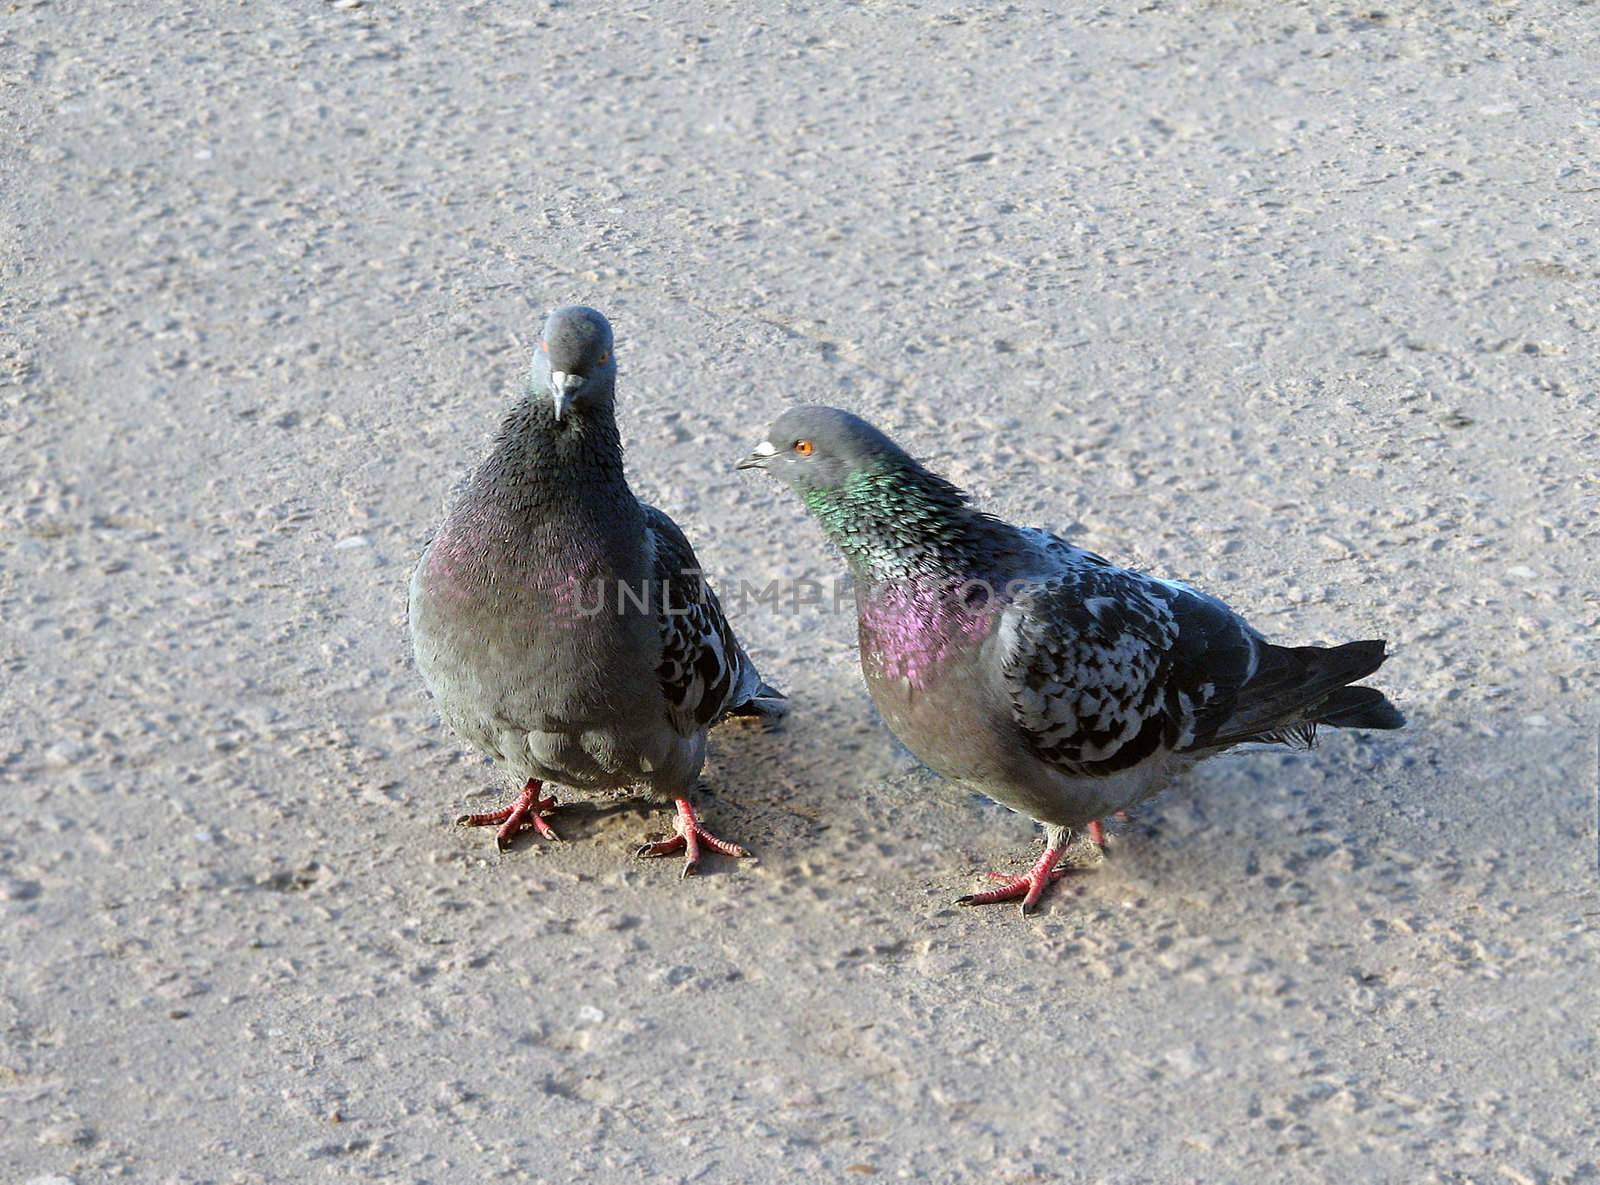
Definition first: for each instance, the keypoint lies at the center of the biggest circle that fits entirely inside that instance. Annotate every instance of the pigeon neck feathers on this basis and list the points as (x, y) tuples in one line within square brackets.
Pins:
[(550, 498), (895, 520), (537, 462)]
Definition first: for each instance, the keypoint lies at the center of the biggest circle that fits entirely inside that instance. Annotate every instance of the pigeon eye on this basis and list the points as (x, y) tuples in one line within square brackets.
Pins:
[(804, 447), (605, 357)]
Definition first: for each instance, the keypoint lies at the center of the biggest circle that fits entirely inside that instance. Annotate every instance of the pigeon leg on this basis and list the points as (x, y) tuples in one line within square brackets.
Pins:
[(1031, 886), (1097, 832), (522, 811), (691, 833)]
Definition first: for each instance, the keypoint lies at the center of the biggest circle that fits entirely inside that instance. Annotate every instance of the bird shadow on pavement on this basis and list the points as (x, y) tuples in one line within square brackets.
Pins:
[(619, 825), (616, 822)]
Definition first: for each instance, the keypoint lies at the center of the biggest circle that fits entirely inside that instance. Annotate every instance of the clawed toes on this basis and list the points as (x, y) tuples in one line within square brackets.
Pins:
[(517, 816), (690, 837), (661, 847), (1029, 888), (545, 830)]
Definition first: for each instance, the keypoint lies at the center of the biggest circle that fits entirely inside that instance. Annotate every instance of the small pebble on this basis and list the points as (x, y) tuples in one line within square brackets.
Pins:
[(15, 889), (66, 1135)]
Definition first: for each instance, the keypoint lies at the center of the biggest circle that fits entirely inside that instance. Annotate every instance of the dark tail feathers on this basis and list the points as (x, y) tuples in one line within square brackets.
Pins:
[(1359, 707), (1297, 688), (1341, 664), (768, 703)]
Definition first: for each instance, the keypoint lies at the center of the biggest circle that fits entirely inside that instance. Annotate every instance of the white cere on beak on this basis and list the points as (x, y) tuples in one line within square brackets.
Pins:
[(761, 453), (562, 385)]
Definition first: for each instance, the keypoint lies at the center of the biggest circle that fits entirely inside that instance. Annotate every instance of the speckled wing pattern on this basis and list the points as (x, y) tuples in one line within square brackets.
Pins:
[(1105, 667), (703, 671)]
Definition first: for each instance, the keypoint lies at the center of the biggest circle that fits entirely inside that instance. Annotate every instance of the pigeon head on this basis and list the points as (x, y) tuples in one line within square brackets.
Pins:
[(575, 362), (887, 513), (819, 449)]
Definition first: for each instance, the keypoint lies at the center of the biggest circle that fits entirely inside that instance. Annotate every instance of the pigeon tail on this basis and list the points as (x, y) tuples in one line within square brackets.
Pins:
[(1359, 707), (1296, 688), (766, 702)]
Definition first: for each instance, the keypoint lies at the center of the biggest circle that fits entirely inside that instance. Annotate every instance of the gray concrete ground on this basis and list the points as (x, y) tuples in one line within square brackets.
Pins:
[(1294, 301)]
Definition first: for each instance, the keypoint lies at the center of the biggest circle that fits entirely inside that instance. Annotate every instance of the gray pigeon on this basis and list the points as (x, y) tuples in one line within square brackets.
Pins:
[(562, 625), (1040, 674)]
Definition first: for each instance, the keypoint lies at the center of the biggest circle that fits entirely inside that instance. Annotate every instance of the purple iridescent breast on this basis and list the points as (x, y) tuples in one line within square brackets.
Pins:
[(476, 562), (911, 630)]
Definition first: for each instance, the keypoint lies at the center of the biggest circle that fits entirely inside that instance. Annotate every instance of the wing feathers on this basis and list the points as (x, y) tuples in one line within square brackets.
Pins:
[(703, 672), (1105, 666)]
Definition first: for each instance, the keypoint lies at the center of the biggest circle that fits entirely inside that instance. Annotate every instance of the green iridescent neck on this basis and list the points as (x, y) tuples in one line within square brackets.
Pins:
[(892, 522)]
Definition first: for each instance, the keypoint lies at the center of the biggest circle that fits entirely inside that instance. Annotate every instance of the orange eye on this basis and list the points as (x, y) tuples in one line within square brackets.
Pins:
[(804, 447), (603, 359)]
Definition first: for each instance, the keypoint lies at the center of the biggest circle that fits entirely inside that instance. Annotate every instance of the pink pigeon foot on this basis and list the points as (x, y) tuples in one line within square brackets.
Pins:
[(1030, 887), (691, 833), (522, 812)]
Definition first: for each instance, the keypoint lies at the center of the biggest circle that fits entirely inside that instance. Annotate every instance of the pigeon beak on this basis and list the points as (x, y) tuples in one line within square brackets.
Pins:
[(563, 390), (764, 452)]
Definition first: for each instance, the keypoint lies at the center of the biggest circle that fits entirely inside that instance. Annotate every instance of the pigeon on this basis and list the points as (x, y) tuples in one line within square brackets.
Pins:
[(563, 626), (1049, 679)]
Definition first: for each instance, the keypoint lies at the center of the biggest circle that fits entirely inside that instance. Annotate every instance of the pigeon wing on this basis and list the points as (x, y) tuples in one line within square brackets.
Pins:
[(1105, 667), (704, 673)]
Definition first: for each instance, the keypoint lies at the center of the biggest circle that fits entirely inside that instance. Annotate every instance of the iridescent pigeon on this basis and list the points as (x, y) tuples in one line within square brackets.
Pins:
[(1051, 680), (562, 625)]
